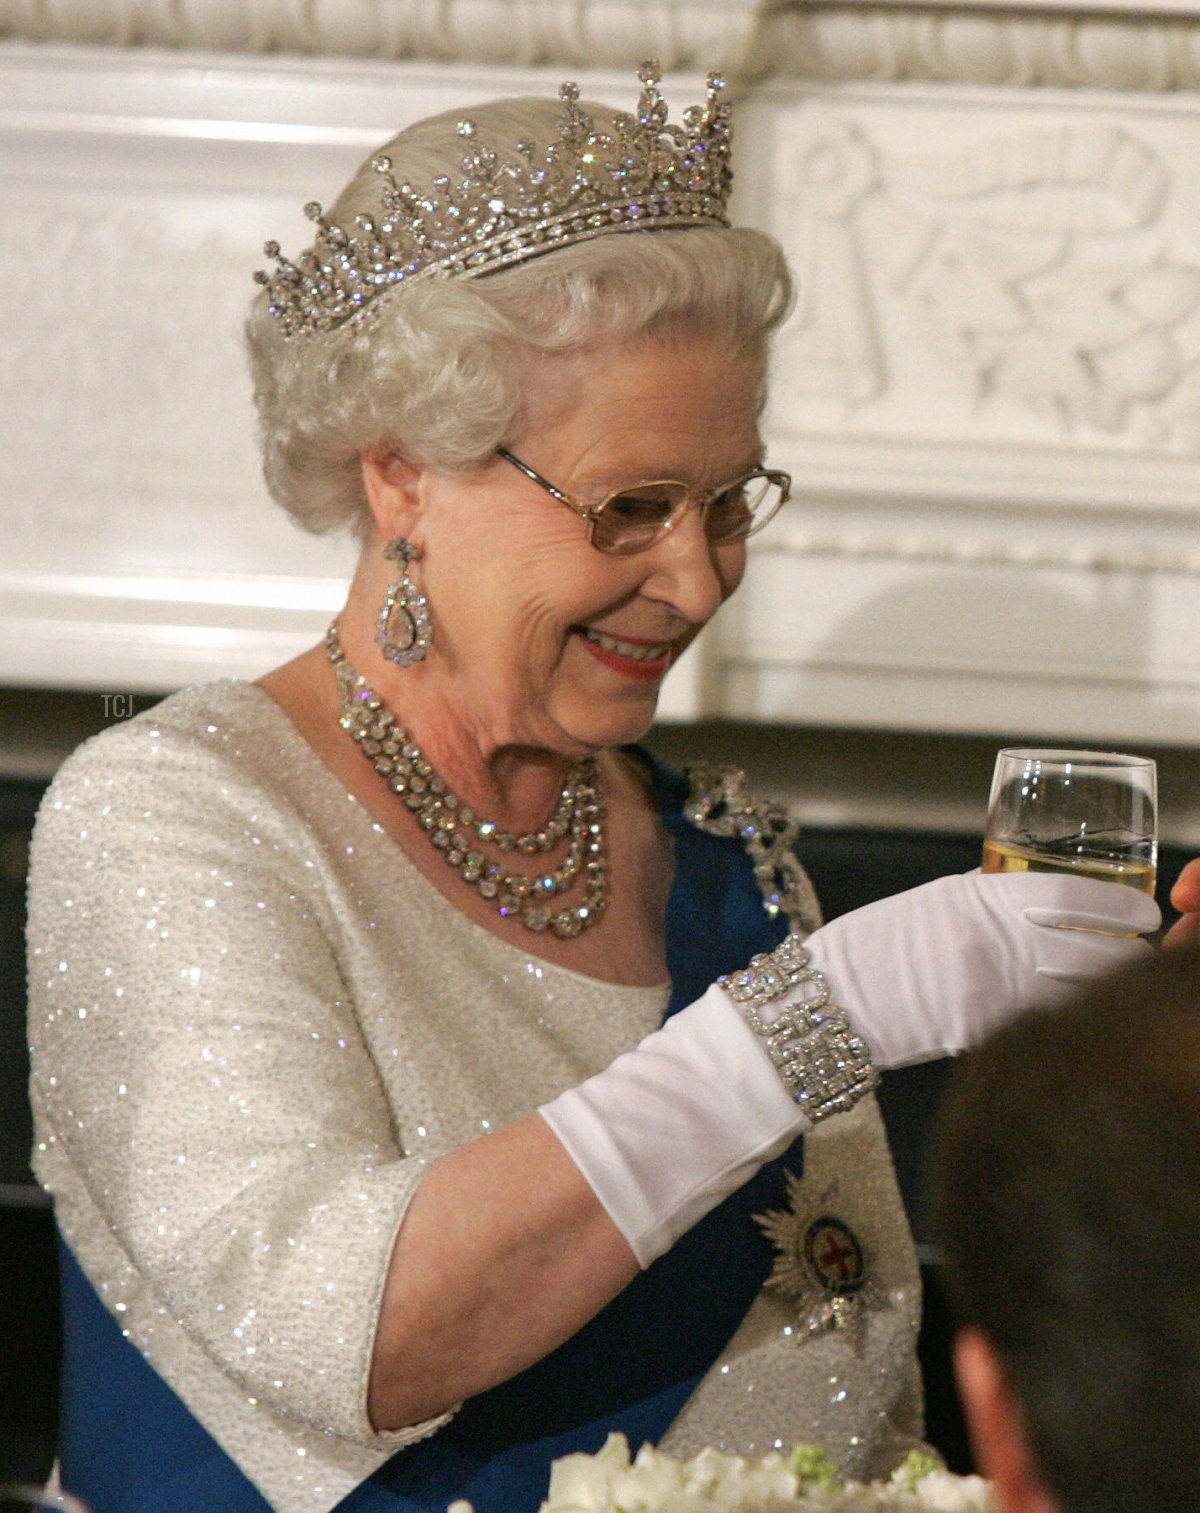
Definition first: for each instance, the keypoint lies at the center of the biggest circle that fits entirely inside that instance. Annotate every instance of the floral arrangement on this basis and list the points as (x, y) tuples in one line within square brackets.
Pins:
[(806, 1481)]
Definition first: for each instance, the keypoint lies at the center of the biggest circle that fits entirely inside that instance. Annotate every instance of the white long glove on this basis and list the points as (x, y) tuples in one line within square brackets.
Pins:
[(930, 972), (671, 1128)]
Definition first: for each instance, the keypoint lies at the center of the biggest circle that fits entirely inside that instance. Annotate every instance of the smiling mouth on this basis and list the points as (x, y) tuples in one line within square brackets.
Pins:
[(634, 651)]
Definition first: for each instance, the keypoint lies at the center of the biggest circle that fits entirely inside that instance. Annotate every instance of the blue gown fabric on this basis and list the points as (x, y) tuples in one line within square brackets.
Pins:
[(128, 1444)]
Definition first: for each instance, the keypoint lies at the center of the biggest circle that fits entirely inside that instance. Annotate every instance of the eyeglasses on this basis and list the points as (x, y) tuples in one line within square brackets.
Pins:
[(630, 520)]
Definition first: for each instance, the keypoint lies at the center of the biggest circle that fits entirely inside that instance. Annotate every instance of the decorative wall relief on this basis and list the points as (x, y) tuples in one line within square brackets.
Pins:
[(988, 398), (831, 344), (1036, 268), (1016, 265)]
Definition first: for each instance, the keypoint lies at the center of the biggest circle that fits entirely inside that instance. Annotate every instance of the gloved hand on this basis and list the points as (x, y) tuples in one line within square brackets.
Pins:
[(675, 1125), (670, 1128), (929, 972)]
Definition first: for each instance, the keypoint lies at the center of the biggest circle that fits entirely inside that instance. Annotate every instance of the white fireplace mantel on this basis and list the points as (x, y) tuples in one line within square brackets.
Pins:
[(1106, 44), (989, 392)]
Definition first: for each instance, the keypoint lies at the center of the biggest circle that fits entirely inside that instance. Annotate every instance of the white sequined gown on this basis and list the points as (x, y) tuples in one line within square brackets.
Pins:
[(253, 1023)]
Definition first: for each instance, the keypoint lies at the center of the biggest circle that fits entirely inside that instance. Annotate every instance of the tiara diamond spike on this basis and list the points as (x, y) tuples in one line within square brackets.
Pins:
[(511, 205)]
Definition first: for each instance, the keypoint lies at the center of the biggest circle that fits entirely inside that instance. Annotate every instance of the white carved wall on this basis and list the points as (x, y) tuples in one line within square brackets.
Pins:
[(989, 392), (991, 389)]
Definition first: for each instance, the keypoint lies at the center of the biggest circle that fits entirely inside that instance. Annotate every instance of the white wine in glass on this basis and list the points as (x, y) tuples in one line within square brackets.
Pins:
[(1088, 812)]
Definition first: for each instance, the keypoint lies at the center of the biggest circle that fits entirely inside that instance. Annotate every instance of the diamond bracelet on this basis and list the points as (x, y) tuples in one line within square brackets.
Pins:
[(826, 1067)]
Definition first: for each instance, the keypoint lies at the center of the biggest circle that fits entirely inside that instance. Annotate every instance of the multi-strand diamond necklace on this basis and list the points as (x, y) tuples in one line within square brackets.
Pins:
[(454, 829)]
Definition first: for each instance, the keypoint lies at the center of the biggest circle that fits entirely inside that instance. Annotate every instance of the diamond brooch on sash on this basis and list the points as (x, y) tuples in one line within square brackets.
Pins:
[(821, 1263)]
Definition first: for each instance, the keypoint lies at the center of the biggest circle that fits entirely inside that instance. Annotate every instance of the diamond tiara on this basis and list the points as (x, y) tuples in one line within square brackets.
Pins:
[(643, 174)]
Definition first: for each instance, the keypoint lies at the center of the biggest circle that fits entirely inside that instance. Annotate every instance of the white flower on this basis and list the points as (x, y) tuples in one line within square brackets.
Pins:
[(654, 1482), (941, 1492), (879, 1497), (583, 1483), (609, 1482), (734, 1485)]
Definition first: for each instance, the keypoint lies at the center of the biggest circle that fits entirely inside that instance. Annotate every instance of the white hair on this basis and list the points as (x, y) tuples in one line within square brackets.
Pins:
[(438, 371)]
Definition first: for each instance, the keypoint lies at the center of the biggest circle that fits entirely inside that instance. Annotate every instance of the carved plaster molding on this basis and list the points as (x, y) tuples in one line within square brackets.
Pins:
[(683, 34), (1012, 46), (1041, 272), (1145, 557), (1148, 47)]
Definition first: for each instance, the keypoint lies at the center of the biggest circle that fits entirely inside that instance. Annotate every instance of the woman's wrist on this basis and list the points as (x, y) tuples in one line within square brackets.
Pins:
[(677, 1124), (824, 1064)]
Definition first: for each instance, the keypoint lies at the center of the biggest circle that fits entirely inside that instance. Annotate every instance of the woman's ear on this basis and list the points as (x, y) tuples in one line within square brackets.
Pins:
[(392, 485)]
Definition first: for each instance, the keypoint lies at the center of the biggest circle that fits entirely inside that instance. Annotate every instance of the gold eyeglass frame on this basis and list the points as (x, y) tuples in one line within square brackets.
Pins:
[(592, 513)]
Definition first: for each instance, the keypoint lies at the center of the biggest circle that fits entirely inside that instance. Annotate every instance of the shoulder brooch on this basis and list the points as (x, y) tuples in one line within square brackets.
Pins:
[(719, 803)]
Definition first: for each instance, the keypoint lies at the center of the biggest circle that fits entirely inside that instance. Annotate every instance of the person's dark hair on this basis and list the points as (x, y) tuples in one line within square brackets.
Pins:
[(1067, 1199)]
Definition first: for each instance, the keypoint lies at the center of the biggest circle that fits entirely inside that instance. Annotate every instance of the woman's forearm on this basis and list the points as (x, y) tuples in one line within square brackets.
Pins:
[(514, 1241), (504, 1252)]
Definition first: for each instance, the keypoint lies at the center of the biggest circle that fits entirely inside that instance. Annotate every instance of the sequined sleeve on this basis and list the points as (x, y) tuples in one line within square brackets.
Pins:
[(203, 1097)]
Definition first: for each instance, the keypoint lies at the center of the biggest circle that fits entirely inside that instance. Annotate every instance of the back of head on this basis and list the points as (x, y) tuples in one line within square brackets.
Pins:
[(437, 372), (1068, 1200)]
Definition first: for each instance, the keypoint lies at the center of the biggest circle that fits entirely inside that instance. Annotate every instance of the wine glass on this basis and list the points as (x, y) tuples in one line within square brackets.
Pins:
[(1090, 812), (23, 1499)]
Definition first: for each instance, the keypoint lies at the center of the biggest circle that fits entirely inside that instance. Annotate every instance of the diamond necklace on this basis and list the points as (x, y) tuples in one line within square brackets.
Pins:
[(456, 831)]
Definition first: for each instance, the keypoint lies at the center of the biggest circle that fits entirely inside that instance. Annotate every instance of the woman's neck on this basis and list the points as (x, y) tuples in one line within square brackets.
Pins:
[(517, 786)]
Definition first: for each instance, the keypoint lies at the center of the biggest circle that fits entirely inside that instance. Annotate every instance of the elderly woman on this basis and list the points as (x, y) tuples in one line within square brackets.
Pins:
[(398, 1140)]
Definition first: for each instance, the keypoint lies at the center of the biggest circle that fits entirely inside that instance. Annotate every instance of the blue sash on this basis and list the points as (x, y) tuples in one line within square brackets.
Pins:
[(129, 1445)]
